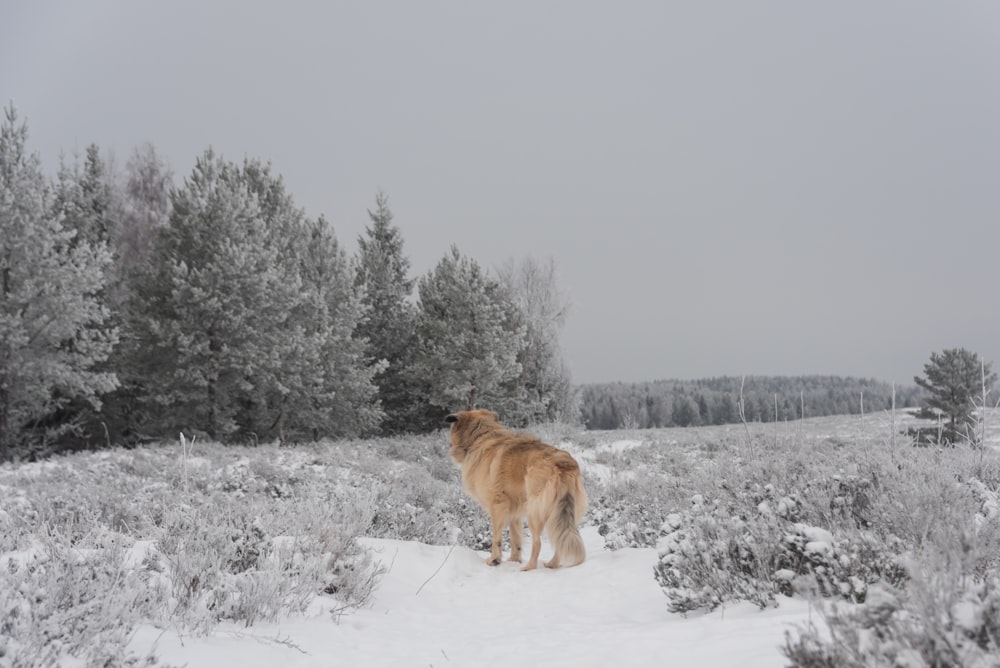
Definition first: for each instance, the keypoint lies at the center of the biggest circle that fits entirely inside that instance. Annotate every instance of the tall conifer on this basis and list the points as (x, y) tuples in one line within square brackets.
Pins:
[(54, 328)]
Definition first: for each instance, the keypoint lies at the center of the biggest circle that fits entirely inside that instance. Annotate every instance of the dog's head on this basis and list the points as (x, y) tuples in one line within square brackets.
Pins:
[(465, 426)]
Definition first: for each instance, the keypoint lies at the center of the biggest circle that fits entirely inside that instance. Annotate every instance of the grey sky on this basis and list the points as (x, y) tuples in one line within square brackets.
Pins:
[(726, 187)]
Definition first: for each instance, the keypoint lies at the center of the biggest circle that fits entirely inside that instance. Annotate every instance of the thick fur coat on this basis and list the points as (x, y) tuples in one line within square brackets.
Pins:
[(515, 476)]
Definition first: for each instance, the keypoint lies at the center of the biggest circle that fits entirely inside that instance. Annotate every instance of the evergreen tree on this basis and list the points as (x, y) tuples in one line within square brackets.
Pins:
[(84, 198), (468, 336), (389, 321), (725, 410), (337, 396), (954, 378), (88, 203), (704, 412), (212, 316), (244, 323), (685, 412), (54, 329)]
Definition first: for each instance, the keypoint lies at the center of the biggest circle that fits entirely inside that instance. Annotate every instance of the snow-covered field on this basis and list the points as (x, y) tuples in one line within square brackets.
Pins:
[(253, 557), (438, 606)]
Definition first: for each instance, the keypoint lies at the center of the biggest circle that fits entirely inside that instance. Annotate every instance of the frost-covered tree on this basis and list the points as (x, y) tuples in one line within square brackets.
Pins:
[(211, 316), (544, 382), (685, 411), (228, 337), (88, 201), (469, 337), (337, 395), (54, 329), (141, 206), (383, 284), (85, 197), (953, 379), (145, 208)]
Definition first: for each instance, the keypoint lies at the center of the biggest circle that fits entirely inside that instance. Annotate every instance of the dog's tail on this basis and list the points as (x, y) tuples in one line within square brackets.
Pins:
[(569, 510)]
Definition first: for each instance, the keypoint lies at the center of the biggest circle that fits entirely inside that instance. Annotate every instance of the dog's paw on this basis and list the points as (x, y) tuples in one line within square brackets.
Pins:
[(529, 567), (492, 561)]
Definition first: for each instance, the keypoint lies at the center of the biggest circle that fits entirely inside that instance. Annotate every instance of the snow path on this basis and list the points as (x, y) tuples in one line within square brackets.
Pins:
[(607, 611)]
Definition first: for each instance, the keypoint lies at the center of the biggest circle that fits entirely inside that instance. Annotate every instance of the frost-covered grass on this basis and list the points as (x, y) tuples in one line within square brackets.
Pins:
[(834, 509), (93, 544), (905, 539)]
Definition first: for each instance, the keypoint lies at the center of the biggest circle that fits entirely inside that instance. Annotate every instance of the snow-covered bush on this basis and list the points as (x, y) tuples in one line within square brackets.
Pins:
[(759, 542), (58, 604), (93, 544), (709, 556), (842, 568), (629, 512), (930, 624)]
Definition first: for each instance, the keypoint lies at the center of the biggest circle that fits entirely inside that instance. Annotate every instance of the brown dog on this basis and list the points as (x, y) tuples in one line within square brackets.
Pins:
[(514, 476)]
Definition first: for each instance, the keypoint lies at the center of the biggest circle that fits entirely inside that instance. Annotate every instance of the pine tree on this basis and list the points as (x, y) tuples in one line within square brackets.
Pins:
[(338, 396), (89, 204), (211, 316), (685, 411), (381, 280), (53, 327), (468, 337), (954, 378), (725, 409), (704, 412), (243, 326), (85, 198)]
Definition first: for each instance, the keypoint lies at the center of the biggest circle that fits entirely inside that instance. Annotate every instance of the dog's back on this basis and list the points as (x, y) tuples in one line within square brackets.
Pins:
[(514, 476)]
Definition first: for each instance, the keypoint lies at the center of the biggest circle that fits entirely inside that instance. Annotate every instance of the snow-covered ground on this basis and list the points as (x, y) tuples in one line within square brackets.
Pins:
[(440, 606), (435, 605)]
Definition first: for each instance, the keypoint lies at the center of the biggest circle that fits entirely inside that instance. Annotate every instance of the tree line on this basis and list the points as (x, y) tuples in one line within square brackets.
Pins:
[(684, 403), (132, 308)]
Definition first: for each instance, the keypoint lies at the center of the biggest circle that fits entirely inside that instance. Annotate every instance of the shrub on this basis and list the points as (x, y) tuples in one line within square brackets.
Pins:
[(709, 556), (930, 624)]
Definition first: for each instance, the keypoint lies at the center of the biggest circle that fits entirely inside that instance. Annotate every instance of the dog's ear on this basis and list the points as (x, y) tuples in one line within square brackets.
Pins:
[(451, 418)]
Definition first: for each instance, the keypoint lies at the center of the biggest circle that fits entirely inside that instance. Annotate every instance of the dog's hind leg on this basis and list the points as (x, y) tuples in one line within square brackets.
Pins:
[(499, 511), (516, 539), (535, 525)]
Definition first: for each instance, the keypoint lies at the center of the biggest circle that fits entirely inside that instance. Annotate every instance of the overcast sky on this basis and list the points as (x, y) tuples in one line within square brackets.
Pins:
[(726, 187)]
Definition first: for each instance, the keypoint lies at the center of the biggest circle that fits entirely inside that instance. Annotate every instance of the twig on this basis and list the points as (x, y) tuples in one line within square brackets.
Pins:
[(743, 418), (893, 425), (864, 434), (438, 569), (277, 640)]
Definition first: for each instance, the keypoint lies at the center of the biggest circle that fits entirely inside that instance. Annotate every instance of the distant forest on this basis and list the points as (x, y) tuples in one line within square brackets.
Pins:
[(684, 403)]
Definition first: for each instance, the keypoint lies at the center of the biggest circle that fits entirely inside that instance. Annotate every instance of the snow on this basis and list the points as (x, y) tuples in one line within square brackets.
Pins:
[(600, 471), (442, 606), (619, 447), (819, 541)]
